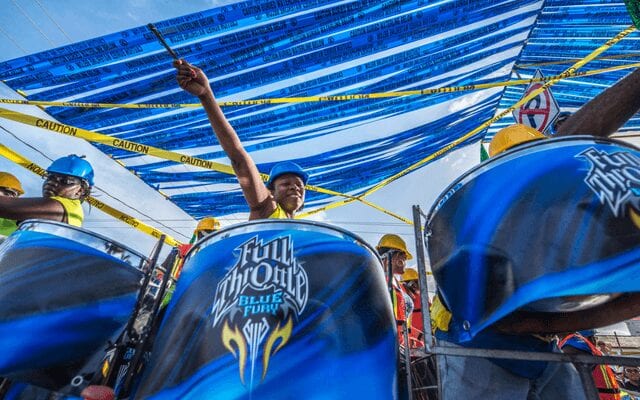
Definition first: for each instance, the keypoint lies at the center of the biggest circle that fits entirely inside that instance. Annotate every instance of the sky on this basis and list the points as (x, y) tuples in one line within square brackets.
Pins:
[(30, 26)]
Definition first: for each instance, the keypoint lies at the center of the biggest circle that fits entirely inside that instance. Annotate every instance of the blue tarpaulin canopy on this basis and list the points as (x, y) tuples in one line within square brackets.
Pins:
[(289, 49)]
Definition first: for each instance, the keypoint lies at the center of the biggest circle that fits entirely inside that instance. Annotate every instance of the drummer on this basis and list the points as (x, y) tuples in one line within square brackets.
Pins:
[(67, 183), (283, 194), (10, 187)]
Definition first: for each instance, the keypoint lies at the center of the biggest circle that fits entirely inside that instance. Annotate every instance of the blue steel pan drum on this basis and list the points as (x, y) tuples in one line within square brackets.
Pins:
[(551, 227), (276, 309), (64, 293)]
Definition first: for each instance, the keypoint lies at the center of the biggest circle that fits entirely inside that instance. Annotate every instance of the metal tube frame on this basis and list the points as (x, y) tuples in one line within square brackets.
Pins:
[(584, 363)]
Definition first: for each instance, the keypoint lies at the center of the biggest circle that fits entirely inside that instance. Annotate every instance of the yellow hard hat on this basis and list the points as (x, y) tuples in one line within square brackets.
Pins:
[(511, 136), (392, 241), (208, 224), (410, 274), (11, 182)]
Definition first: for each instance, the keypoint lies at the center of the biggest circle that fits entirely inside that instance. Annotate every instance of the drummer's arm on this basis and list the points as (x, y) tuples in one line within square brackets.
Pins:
[(259, 198), (607, 112), (31, 207)]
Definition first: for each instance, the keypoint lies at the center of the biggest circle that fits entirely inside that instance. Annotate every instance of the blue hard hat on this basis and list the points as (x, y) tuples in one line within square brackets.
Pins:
[(72, 165), (286, 167)]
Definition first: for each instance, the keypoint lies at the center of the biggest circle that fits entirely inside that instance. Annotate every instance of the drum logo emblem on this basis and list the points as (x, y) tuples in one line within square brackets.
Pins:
[(257, 301), (615, 179)]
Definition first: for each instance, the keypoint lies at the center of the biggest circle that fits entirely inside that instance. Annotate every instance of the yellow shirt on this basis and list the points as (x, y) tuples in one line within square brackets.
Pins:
[(279, 213), (73, 209)]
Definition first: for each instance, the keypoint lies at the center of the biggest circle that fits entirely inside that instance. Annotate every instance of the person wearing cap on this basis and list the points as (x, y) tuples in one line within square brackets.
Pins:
[(631, 379), (393, 251), (394, 254), (10, 187), (283, 194), (67, 183), (206, 226)]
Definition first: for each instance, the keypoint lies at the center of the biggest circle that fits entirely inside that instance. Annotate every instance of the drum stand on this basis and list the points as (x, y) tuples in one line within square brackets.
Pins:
[(583, 363), (126, 359)]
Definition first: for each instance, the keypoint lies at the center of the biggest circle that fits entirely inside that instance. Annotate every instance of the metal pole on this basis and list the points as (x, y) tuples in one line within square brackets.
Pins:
[(407, 359), (424, 292), (422, 278)]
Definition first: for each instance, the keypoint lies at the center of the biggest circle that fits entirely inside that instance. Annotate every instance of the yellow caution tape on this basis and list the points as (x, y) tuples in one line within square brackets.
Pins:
[(129, 220), (486, 124), (113, 142), (198, 162), (309, 99), (157, 152)]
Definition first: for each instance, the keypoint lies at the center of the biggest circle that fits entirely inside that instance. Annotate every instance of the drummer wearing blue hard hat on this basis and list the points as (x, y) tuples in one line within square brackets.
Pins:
[(283, 194), (67, 183)]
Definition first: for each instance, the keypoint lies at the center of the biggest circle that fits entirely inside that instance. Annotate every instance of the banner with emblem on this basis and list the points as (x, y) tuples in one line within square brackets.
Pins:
[(276, 309), (552, 226)]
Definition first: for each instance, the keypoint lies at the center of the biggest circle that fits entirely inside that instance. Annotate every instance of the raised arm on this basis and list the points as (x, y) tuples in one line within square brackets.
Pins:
[(606, 113), (258, 197), (32, 207)]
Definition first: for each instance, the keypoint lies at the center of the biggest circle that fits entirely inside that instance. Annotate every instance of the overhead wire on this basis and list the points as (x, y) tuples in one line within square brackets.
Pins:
[(44, 10), (12, 40), (32, 22)]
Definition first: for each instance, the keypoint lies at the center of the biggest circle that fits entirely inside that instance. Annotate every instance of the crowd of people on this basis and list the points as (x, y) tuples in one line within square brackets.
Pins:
[(69, 179)]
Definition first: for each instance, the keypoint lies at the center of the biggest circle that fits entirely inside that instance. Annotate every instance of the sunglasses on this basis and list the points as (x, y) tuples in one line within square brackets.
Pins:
[(8, 192), (63, 179)]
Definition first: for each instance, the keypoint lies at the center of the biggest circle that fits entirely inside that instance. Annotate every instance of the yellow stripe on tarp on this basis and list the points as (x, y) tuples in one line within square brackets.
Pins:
[(127, 219)]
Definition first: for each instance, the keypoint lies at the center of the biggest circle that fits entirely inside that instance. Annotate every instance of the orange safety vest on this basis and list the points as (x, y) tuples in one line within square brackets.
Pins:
[(399, 308), (603, 376), (416, 331)]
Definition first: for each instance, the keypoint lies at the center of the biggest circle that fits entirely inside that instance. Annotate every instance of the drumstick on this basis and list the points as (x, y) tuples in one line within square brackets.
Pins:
[(156, 32)]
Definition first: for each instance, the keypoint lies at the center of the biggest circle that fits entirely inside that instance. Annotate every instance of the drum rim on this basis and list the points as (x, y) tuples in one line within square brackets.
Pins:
[(535, 143), (324, 225), (37, 221)]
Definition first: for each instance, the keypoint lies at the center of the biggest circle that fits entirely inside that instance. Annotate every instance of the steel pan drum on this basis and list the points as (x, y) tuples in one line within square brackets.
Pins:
[(276, 310), (64, 292), (552, 226)]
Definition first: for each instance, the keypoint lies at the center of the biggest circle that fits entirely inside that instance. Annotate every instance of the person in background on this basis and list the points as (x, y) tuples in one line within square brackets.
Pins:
[(603, 376), (67, 183), (10, 187), (412, 288), (206, 226), (631, 380), (283, 195), (394, 254)]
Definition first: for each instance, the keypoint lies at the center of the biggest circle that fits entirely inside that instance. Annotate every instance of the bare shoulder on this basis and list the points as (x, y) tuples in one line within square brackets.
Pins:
[(264, 209)]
